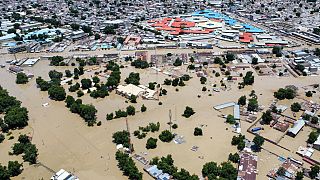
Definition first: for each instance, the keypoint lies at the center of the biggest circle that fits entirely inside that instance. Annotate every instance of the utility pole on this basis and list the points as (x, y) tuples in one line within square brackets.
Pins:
[(170, 117), (130, 144)]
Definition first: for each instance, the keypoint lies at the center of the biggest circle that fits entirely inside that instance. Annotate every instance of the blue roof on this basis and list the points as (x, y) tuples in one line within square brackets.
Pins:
[(7, 37)]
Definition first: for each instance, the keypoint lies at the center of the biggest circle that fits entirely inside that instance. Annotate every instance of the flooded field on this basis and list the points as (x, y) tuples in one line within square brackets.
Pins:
[(65, 141)]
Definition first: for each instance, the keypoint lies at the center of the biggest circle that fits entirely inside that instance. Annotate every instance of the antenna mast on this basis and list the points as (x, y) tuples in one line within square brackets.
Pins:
[(130, 144)]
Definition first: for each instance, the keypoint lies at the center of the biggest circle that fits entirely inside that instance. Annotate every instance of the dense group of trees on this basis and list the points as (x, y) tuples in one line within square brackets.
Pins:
[(134, 78), (239, 142), (140, 64), (285, 93), (15, 115), (166, 164), (127, 166), (142, 131), (225, 170), (188, 112), (25, 147), (121, 137), (14, 169), (22, 78), (86, 111), (57, 61), (130, 111), (235, 158), (57, 93)]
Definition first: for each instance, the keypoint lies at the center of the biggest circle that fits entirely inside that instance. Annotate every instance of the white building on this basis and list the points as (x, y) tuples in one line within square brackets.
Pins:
[(63, 175)]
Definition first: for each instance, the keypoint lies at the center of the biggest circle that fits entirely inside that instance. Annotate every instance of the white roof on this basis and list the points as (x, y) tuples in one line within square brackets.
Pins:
[(298, 125), (317, 141), (130, 89)]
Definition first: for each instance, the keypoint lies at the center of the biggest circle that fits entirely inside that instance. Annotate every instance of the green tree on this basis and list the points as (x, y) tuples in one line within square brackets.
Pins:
[(88, 112), (97, 36), (14, 168), (235, 158), (230, 57), (314, 171), (2, 137), (258, 142), (299, 175), (127, 165), (295, 107), (312, 137), (69, 101), (314, 120), (203, 80), (197, 132), (253, 105), (4, 173), (53, 74), (133, 99), (281, 171), (95, 79), (134, 78), (131, 110), (242, 100), (16, 117), (177, 62), (57, 93), (75, 27), (166, 136), (210, 170), (68, 73), (30, 154), (22, 78), (227, 171), (266, 117), (254, 61), (248, 79), (143, 108), (188, 112), (230, 119), (121, 137), (86, 83), (109, 116), (309, 94), (151, 143)]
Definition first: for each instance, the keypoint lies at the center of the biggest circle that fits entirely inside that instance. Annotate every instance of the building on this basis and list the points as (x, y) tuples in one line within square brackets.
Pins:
[(17, 49), (298, 125), (138, 91), (63, 175), (156, 173), (247, 166), (316, 144)]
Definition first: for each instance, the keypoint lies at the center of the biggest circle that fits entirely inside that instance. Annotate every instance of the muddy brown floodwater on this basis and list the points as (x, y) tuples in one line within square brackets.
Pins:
[(65, 141)]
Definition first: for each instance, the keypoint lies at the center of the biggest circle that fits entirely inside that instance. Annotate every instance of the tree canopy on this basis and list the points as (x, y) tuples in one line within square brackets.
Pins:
[(22, 78)]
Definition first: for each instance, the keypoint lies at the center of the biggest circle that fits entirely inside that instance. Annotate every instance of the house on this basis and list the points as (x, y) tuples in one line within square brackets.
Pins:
[(63, 175), (316, 144), (247, 166), (298, 125), (130, 89)]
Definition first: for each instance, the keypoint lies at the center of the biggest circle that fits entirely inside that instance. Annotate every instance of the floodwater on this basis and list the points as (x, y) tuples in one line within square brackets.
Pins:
[(65, 141)]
